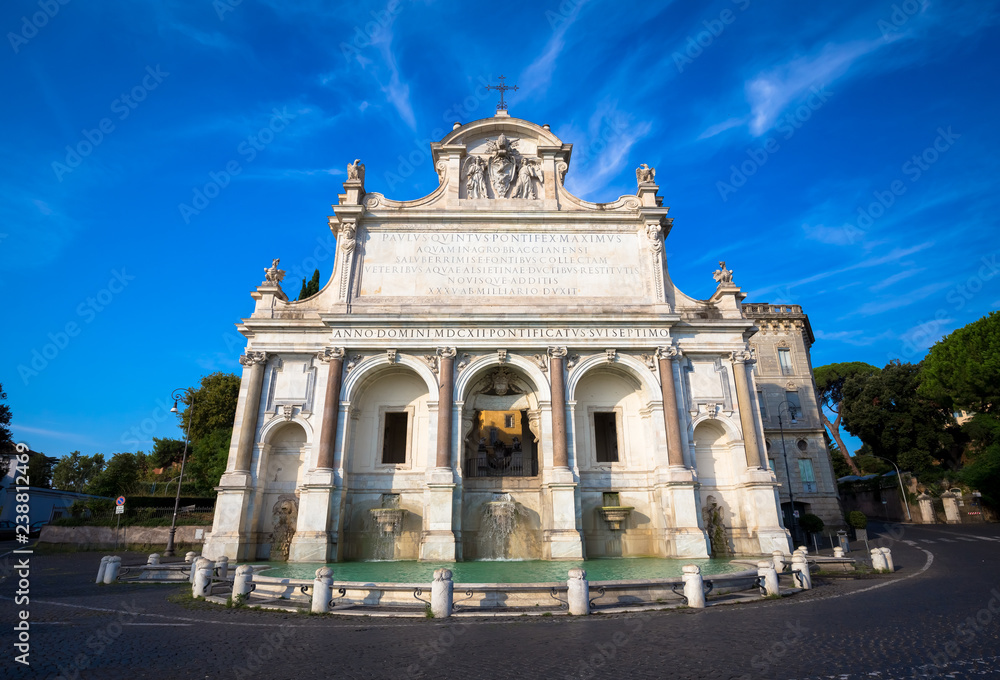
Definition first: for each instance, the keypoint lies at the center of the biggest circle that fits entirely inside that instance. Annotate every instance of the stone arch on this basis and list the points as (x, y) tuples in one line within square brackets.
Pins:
[(611, 422), (372, 368), (625, 364), (477, 368)]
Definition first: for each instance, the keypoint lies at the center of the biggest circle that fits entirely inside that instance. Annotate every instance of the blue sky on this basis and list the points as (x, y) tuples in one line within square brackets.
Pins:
[(840, 156)]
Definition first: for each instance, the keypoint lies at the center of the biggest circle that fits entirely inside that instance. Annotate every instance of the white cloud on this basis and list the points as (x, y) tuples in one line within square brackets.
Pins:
[(538, 75), (844, 235), (895, 278)]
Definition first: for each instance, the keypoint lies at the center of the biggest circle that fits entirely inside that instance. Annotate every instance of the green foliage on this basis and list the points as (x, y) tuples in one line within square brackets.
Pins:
[(214, 405), (5, 415), (884, 411), (857, 519), (76, 472), (811, 523), (962, 370), (982, 472), (311, 288), (166, 452), (840, 466), (830, 380), (207, 461), (40, 470), (123, 475)]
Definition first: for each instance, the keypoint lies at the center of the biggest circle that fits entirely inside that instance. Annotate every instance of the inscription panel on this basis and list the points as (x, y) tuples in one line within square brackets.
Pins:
[(520, 264)]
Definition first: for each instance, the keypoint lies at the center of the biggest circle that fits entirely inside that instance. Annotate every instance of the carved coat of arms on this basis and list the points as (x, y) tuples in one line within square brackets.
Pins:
[(503, 173)]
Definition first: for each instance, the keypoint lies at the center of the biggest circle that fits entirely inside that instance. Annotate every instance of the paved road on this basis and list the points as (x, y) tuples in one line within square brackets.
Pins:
[(938, 616)]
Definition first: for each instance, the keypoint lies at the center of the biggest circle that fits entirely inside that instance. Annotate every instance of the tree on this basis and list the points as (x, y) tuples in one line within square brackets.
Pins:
[(207, 461), (166, 452), (311, 288), (211, 428), (40, 469), (830, 381), (6, 438), (962, 370), (885, 412), (124, 473), (841, 468), (76, 472)]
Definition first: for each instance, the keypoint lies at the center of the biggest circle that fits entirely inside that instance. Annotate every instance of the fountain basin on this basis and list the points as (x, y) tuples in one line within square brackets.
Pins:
[(614, 515)]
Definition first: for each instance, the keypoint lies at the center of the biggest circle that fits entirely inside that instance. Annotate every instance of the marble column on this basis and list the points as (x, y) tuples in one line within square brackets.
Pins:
[(251, 408), (560, 454), (446, 404), (437, 542), (331, 410), (742, 361), (668, 390)]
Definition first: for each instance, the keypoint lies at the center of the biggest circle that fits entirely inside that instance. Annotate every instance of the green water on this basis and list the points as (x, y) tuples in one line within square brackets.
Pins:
[(533, 571)]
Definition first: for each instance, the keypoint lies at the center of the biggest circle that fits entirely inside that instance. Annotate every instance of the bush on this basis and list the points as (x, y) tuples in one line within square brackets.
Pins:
[(857, 519), (811, 523)]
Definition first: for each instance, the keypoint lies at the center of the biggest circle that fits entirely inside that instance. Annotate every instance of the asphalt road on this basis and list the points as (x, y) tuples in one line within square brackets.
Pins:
[(937, 616)]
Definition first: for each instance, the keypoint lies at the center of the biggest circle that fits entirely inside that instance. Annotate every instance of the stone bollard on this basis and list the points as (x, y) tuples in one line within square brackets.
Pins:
[(800, 565), (111, 572), (242, 582), (838, 552), (222, 564), (190, 556), (778, 558), (878, 560), (442, 593), (578, 592), (202, 578), (887, 554), (766, 569), (322, 586), (951, 512), (694, 586), (153, 560), (102, 568), (926, 508), (200, 563)]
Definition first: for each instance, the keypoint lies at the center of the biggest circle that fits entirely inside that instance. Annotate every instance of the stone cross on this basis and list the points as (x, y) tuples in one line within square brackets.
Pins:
[(501, 88)]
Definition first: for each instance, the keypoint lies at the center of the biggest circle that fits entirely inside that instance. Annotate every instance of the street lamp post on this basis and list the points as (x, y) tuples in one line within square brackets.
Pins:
[(176, 395), (784, 454), (899, 477)]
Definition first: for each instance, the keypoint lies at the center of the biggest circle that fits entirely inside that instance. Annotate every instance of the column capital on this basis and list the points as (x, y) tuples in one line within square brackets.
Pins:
[(251, 358), (447, 352), (557, 352), (669, 352), (743, 356), (328, 354)]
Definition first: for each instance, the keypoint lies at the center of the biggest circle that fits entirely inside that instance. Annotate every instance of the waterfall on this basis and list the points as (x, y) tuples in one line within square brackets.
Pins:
[(499, 522)]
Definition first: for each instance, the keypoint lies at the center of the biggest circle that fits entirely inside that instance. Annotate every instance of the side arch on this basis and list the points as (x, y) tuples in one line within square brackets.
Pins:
[(625, 364), (374, 367), (473, 372)]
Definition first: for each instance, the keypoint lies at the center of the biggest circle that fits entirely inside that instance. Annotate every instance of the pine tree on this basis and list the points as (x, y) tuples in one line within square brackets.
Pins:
[(311, 288)]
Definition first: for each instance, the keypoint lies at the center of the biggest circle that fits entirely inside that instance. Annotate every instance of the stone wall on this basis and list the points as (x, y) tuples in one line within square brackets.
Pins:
[(95, 538)]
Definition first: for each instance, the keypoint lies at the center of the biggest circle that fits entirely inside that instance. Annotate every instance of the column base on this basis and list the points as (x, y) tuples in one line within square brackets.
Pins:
[(313, 546), (562, 545), (688, 543), (237, 548), (774, 539), (437, 546)]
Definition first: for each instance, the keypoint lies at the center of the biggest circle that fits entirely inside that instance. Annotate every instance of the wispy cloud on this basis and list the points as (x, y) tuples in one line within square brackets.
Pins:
[(874, 307), (844, 235), (856, 338), (536, 77), (895, 278)]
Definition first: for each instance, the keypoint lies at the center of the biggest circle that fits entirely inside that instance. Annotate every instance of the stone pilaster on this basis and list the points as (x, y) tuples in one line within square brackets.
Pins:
[(742, 361)]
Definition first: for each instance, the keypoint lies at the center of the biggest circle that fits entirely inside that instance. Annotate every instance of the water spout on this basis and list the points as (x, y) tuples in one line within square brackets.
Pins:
[(499, 522), (388, 524)]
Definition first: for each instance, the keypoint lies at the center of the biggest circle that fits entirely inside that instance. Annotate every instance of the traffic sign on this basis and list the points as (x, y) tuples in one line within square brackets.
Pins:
[(120, 510), (120, 500)]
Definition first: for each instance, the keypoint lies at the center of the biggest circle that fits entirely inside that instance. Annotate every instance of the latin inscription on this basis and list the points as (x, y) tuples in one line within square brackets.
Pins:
[(515, 333), (501, 264)]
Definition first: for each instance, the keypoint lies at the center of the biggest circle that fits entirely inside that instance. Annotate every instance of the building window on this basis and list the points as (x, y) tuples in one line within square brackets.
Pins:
[(794, 406), (606, 437), (770, 464), (808, 477), (508, 420), (802, 444), (394, 438), (763, 406), (785, 361)]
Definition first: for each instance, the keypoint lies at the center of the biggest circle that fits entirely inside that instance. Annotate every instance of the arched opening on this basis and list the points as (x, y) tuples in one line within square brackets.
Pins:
[(281, 470), (713, 458)]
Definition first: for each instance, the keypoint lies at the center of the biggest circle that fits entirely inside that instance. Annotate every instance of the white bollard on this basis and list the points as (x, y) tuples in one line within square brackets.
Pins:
[(222, 564), (202, 579), (766, 569), (102, 568), (838, 552), (111, 572), (243, 582), (321, 590), (800, 565), (888, 560), (190, 556), (694, 586), (153, 559), (200, 563), (578, 592), (778, 558), (442, 593), (878, 560)]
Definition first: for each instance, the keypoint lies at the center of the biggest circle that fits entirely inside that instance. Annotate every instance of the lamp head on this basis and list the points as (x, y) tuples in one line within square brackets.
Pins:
[(174, 409)]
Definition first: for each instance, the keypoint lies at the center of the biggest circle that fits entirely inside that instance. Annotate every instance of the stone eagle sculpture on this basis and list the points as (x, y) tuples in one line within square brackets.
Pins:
[(645, 174), (356, 170)]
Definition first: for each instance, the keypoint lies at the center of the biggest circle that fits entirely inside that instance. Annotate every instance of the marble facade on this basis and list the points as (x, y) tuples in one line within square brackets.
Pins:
[(499, 338)]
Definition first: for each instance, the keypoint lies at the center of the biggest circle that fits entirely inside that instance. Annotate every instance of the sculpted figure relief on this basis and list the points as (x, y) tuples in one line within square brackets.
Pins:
[(723, 275), (527, 174), (475, 178), (502, 164), (272, 274), (356, 170)]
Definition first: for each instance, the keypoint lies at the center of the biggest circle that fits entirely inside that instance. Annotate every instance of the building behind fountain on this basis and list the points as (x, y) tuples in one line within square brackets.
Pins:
[(510, 368)]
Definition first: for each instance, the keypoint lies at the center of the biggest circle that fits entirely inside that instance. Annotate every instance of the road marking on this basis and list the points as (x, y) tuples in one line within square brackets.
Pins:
[(946, 540), (926, 540), (965, 538), (157, 624)]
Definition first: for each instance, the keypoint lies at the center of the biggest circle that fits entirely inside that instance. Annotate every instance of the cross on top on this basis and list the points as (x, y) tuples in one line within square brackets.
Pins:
[(501, 88)]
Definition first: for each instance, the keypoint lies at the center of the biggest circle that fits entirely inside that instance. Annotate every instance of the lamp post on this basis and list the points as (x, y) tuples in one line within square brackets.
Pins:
[(176, 395), (899, 477), (784, 454)]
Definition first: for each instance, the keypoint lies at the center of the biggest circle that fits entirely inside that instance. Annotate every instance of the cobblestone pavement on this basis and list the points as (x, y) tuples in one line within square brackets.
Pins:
[(938, 616)]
